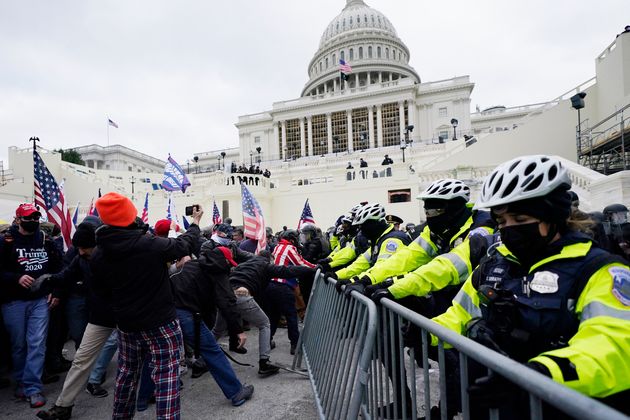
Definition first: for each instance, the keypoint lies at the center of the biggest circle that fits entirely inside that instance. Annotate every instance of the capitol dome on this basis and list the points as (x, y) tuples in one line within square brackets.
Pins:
[(366, 40)]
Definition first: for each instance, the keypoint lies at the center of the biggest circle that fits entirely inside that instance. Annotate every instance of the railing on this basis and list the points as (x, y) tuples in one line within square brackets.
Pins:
[(336, 345), (357, 362)]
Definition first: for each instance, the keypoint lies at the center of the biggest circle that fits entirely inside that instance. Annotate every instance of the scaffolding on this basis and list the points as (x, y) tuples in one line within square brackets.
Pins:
[(605, 147)]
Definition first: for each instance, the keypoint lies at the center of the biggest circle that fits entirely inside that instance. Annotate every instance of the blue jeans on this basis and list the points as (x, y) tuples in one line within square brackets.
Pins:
[(280, 300), (77, 314), (106, 356), (26, 322), (218, 364), (147, 387)]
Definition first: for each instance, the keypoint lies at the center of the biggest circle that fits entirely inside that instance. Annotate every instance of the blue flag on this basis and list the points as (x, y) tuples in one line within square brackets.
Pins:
[(174, 177)]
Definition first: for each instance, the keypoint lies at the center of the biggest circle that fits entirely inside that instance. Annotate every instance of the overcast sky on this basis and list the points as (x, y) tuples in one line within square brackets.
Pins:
[(175, 75)]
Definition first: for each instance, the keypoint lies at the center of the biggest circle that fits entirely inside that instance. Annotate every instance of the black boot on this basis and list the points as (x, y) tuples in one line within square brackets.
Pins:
[(266, 369), (234, 346), (56, 413)]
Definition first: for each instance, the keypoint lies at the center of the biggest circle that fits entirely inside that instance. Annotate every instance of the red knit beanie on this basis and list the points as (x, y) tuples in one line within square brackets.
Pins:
[(162, 227), (116, 210)]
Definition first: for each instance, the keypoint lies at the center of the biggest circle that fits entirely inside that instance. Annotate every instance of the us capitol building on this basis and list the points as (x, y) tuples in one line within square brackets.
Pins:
[(382, 107)]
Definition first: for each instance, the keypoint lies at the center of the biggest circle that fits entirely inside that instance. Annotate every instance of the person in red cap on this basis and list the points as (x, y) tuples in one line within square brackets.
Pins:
[(27, 253), (201, 287), (130, 267)]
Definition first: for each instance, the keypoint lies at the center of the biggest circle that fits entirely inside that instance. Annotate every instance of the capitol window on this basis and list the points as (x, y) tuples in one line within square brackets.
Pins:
[(387, 53), (351, 54), (360, 53), (350, 20), (320, 66), (257, 139), (443, 112), (370, 52), (378, 52), (342, 55), (365, 18), (326, 62), (334, 59)]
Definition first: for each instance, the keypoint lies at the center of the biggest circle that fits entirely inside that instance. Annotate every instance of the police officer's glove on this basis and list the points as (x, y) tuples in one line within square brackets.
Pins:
[(381, 294), (358, 284), (492, 391), (324, 264), (372, 288), (340, 284), (39, 281)]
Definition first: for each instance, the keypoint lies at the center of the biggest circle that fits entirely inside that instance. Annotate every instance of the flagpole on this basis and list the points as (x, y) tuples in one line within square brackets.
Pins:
[(107, 131)]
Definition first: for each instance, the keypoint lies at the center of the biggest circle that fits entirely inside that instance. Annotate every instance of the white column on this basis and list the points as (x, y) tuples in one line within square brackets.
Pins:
[(356, 80), (284, 140), (401, 118), (309, 131), (371, 126), (335, 84), (274, 144), (329, 131), (349, 123), (369, 80), (380, 77), (379, 125), (390, 76), (302, 138), (411, 106)]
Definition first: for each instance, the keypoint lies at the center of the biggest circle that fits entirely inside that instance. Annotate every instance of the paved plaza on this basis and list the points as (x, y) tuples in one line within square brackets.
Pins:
[(285, 396)]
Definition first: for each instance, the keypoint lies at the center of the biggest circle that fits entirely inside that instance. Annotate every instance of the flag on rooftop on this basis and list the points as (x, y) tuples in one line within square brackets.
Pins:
[(174, 177), (49, 196), (345, 69), (253, 219), (216, 216), (112, 123), (145, 209), (307, 216)]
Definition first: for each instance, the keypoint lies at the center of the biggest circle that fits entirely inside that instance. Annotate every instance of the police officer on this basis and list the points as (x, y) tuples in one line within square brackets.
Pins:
[(385, 240), (450, 220), (355, 244), (547, 296)]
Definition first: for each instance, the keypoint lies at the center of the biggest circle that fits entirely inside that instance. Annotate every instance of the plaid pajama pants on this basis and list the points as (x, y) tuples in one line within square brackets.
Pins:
[(162, 347)]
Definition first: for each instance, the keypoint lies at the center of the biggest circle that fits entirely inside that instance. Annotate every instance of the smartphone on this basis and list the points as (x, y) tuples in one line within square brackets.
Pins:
[(189, 209)]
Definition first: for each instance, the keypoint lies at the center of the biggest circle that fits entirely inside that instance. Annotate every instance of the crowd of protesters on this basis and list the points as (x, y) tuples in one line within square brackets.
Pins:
[(251, 169), (163, 297)]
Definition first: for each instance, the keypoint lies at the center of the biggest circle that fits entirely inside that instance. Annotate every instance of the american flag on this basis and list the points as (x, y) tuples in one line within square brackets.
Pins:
[(344, 67), (112, 123), (145, 209), (307, 216), (253, 220), (174, 177), (216, 216), (49, 196)]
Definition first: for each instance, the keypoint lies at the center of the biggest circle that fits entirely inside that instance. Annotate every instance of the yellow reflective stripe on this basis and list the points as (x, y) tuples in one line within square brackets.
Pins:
[(459, 264), (466, 302), (595, 309), (426, 246), (384, 256), (367, 255)]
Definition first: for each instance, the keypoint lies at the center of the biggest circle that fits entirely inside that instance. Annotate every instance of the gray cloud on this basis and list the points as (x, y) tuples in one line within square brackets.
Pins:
[(176, 75)]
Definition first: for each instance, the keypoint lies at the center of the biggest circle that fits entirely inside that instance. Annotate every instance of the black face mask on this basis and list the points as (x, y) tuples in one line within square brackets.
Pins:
[(30, 226), (524, 241), (439, 224), (372, 229)]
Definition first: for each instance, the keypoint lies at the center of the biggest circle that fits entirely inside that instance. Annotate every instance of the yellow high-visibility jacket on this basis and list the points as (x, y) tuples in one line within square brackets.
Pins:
[(383, 248), (596, 359)]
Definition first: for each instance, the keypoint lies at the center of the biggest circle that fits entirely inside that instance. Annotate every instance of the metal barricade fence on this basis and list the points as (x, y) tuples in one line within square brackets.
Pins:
[(336, 344), (358, 364)]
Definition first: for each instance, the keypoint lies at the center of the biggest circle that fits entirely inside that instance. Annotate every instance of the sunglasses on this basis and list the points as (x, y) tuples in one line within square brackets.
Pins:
[(434, 212), (29, 218)]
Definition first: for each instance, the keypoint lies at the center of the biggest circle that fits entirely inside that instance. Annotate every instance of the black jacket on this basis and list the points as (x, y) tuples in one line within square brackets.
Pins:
[(256, 273), (33, 255), (202, 286), (130, 268), (77, 278), (312, 250)]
